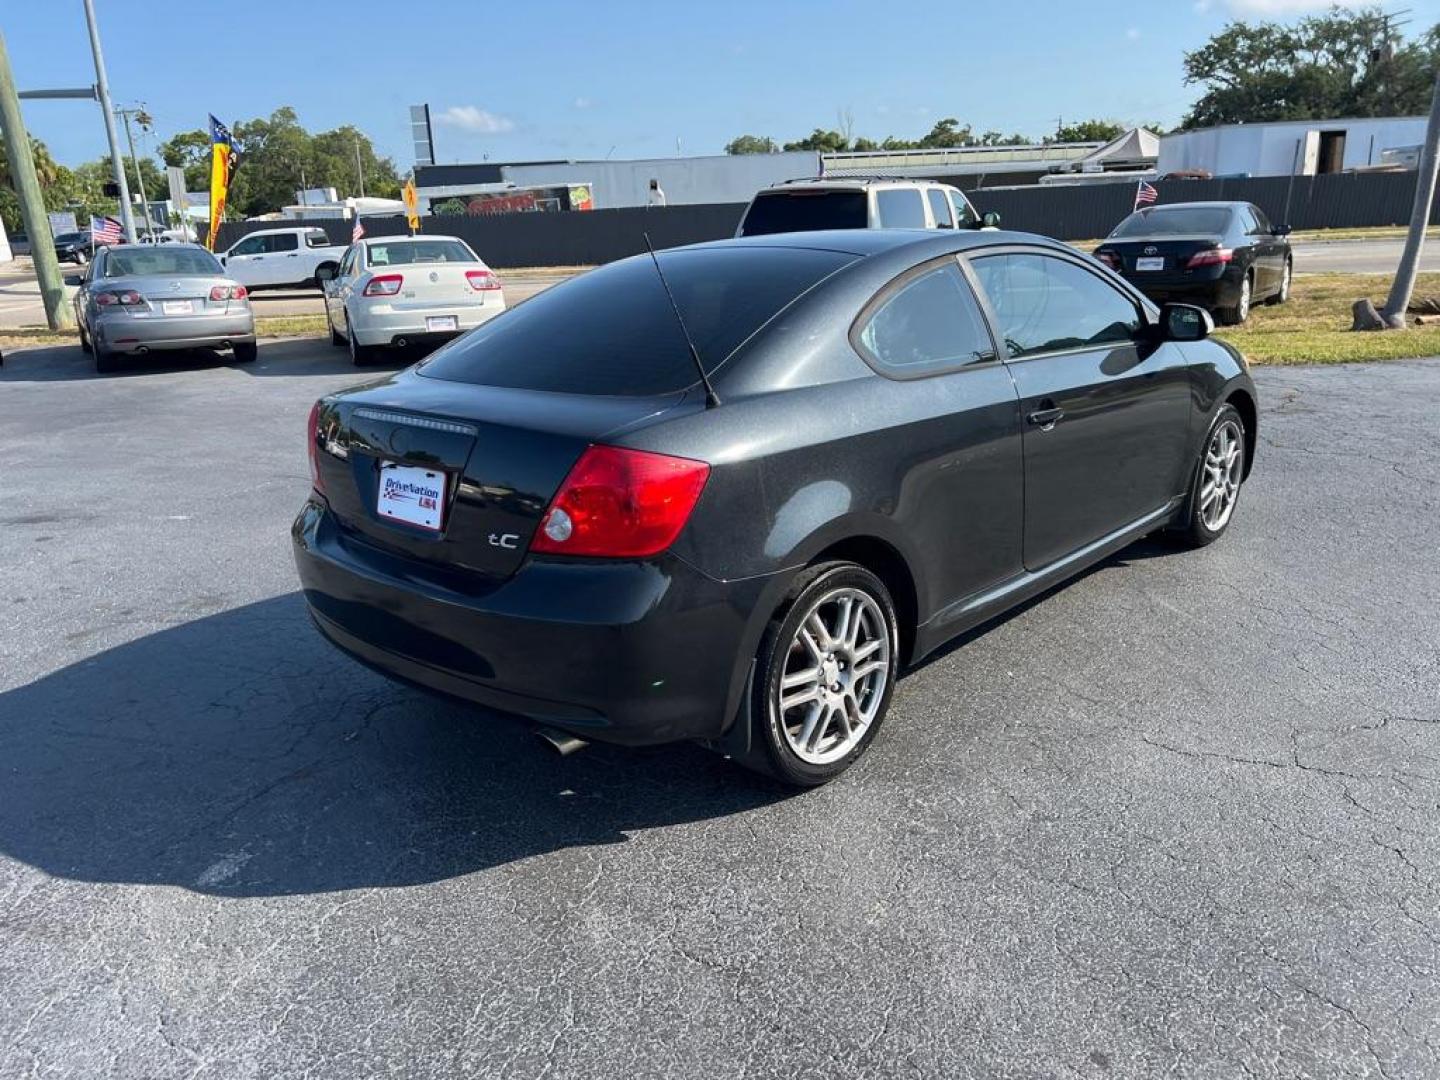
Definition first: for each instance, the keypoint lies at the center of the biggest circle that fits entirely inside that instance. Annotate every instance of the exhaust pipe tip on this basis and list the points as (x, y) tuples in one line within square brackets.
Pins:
[(561, 742)]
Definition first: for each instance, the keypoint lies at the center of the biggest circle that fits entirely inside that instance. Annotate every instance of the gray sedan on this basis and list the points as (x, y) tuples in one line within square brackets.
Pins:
[(138, 299)]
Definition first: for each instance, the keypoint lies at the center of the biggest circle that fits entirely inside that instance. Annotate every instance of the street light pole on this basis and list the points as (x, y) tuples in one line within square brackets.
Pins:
[(102, 90), (1404, 285)]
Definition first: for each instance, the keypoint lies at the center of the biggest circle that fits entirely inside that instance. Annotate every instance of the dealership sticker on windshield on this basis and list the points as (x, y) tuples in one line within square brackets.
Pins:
[(412, 495)]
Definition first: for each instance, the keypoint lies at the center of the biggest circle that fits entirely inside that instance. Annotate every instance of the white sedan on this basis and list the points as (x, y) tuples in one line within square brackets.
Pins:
[(407, 290)]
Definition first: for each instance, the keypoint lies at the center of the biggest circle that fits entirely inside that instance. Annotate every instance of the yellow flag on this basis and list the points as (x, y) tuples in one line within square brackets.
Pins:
[(412, 205)]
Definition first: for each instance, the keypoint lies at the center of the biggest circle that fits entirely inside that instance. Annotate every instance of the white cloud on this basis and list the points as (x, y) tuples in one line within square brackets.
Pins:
[(583, 103), (1271, 8), (1202, 6), (1133, 34), (476, 120)]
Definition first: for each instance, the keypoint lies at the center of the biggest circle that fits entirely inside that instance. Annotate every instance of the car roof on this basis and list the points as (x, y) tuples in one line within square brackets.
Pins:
[(840, 183), (867, 242), (411, 239), (1213, 204)]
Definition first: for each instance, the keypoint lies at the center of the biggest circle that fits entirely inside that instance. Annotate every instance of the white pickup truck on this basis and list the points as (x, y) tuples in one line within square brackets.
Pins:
[(281, 258)]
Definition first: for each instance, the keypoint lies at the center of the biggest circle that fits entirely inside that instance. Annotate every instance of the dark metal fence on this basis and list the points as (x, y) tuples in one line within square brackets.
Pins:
[(1341, 200)]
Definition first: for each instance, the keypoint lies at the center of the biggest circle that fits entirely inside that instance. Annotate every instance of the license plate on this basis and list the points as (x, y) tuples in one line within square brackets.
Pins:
[(442, 322), (1150, 264), (411, 494), (177, 307)]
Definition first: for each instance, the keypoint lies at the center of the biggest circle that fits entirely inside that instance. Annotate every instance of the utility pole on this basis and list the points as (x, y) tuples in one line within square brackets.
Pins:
[(102, 90), (135, 161), (1404, 286), (359, 171), (32, 203)]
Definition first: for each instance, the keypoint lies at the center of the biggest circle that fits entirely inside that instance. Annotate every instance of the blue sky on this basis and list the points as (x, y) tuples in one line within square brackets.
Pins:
[(556, 78)]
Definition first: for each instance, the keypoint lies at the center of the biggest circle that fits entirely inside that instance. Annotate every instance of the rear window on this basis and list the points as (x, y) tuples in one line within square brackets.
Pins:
[(123, 262), (418, 251), (805, 211), (612, 331), (1175, 221)]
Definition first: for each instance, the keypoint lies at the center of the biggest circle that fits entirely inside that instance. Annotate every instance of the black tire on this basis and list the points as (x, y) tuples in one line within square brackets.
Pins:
[(1287, 276), (771, 749), (336, 338), (1196, 531), (360, 355), (1236, 315), (245, 352), (85, 344), (107, 362)]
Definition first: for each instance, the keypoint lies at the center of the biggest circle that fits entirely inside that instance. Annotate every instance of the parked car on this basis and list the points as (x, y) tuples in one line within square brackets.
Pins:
[(146, 298), (281, 258), (405, 291), (898, 436), (859, 202), (73, 247), (1224, 255), (20, 243)]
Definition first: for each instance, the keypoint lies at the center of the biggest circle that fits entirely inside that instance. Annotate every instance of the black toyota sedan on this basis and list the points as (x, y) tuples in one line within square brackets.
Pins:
[(1224, 255), (897, 436)]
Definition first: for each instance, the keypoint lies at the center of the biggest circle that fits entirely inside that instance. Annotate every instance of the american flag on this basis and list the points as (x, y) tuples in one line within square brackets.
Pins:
[(358, 230), (105, 230), (1145, 194)]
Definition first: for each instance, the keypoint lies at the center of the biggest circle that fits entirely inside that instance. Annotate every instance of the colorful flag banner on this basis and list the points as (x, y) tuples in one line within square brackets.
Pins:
[(1145, 194), (412, 204), (105, 230), (223, 161)]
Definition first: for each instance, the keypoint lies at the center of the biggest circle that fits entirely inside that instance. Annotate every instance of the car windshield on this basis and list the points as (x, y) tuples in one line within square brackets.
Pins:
[(805, 211), (401, 252), (613, 332), (155, 260), (1175, 221)]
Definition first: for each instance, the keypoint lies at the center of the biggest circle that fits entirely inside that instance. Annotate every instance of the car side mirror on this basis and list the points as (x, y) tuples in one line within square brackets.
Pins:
[(1185, 322), (990, 220), (1281, 230), (73, 279)]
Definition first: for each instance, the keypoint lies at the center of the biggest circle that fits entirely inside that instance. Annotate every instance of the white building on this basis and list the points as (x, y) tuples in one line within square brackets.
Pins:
[(1303, 147)]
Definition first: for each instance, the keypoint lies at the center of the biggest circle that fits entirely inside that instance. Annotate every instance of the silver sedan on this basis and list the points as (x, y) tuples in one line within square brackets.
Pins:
[(137, 299)]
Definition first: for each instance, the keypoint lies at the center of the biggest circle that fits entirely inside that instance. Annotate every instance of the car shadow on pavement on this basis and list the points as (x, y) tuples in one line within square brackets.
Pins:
[(241, 755), (278, 356)]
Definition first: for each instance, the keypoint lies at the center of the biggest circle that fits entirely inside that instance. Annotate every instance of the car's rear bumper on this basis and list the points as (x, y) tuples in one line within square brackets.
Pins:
[(625, 652), (384, 327), (1220, 287), (126, 333)]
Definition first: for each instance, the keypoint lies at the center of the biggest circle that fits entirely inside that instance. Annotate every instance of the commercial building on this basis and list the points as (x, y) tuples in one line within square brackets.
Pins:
[(1301, 147)]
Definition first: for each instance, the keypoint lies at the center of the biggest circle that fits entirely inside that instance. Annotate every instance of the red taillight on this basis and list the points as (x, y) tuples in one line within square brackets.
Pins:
[(313, 434), (228, 292), (621, 504), (238, 292), (482, 280), (384, 285), (1210, 257), (127, 298), (1109, 258)]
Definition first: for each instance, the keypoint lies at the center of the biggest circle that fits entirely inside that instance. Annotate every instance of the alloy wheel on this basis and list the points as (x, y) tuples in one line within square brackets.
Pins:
[(1220, 475), (1285, 282), (835, 674), (1242, 309)]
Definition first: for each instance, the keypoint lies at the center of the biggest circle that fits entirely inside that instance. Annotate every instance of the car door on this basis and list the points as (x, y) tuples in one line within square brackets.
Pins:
[(245, 261), (1106, 405), (283, 264), (334, 300), (82, 295), (1269, 250), (960, 481)]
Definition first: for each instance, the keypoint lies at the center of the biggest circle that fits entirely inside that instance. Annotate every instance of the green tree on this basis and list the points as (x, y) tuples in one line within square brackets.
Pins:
[(947, 133), (751, 144), (827, 142), (1341, 63), (57, 185), (1090, 131)]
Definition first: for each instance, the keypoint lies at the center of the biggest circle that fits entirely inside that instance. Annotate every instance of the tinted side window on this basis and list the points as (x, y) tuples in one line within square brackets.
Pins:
[(805, 211), (317, 239), (932, 321), (1046, 304), (939, 207), (1261, 221), (900, 208), (251, 245), (347, 263), (1248, 223), (964, 213), (284, 242)]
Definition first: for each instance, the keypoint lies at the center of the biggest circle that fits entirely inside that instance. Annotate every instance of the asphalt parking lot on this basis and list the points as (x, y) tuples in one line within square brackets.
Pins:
[(1180, 817)]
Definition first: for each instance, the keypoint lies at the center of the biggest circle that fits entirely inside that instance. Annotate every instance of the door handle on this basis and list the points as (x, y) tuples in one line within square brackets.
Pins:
[(1045, 419)]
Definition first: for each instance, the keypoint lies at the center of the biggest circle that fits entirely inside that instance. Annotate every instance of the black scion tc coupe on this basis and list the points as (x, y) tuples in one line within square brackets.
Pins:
[(905, 434)]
